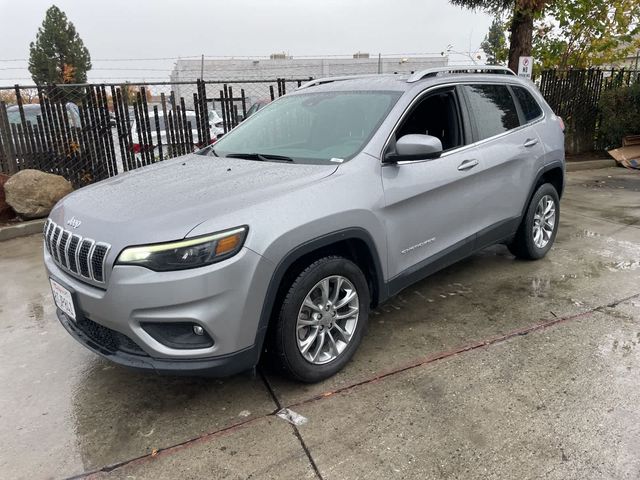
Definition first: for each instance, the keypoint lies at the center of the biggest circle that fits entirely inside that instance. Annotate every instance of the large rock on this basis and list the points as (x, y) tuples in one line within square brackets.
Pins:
[(33, 193), (6, 212)]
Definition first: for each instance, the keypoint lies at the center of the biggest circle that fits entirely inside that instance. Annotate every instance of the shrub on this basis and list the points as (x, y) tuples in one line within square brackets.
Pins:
[(620, 110)]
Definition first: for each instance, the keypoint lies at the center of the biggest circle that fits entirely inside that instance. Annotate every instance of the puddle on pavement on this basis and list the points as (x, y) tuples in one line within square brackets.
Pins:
[(118, 413)]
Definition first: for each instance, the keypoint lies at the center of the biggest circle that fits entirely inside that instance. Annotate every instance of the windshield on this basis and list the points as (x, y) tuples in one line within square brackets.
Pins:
[(310, 128), (30, 114)]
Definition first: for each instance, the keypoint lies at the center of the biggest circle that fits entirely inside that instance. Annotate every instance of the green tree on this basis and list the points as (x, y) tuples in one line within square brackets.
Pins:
[(586, 33), (58, 54), (523, 13), (494, 44)]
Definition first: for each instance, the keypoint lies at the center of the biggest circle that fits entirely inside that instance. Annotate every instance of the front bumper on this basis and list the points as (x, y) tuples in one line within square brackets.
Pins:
[(220, 366), (224, 298)]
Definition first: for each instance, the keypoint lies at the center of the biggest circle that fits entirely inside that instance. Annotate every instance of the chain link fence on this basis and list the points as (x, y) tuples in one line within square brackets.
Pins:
[(90, 132)]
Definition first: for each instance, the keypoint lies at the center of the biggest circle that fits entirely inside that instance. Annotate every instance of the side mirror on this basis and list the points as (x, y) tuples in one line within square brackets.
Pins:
[(415, 147)]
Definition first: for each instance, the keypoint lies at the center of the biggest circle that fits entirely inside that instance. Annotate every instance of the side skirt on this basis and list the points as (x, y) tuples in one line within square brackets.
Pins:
[(497, 233)]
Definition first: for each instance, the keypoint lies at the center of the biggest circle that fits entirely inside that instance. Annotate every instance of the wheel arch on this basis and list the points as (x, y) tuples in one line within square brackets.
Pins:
[(355, 244), (552, 173)]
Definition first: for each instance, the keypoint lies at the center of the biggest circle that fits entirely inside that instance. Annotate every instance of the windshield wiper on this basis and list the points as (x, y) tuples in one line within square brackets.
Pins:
[(262, 157)]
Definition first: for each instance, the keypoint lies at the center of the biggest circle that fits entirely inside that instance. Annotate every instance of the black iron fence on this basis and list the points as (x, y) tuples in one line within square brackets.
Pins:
[(575, 95), (90, 132)]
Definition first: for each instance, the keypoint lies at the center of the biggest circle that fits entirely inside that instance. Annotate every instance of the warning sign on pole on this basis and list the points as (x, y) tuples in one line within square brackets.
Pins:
[(525, 67)]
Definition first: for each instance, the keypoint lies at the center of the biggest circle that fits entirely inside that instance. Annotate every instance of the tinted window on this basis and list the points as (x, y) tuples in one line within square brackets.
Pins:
[(437, 116), (493, 108), (528, 104)]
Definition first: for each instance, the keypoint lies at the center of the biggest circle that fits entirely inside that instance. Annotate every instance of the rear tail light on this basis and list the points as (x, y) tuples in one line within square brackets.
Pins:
[(561, 123)]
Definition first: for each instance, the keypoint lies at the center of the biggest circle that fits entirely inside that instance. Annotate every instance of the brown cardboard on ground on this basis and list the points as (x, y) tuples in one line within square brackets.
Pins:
[(629, 154)]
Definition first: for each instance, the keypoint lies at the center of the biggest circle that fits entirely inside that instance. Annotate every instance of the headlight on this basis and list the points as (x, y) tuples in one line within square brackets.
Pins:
[(188, 253)]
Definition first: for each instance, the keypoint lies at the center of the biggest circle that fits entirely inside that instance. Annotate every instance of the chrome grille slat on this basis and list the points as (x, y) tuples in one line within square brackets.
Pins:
[(54, 243), (62, 249), (98, 259), (47, 228), (85, 249), (72, 254), (83, 257)]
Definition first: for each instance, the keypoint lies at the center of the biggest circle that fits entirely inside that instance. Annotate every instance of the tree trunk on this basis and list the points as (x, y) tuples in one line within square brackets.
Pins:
[(521, 37)]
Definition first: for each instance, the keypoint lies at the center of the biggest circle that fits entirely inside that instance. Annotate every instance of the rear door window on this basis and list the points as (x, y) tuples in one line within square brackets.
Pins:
[(529, 106), (493, 108)]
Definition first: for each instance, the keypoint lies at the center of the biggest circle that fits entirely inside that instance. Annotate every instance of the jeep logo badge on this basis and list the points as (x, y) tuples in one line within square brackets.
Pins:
[(74, 222)]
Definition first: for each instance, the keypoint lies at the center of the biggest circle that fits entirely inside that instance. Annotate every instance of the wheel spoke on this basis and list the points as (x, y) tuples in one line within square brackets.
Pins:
[(324, 287), (349, 314), (347, 298), (311, 305), (343, 333), (305, 345), (307, 322), (336, 292), (320, 343), (332, 344)]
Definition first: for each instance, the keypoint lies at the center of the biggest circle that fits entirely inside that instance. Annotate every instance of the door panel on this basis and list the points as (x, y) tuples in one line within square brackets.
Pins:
[(427, 207), (503, 182), (508, 153)]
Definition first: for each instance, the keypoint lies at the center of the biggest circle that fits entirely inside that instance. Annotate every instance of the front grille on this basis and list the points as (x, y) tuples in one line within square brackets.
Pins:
[(82, 256), (109, 339)]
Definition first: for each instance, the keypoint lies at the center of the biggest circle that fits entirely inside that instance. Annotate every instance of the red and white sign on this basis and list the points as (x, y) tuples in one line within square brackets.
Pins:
[(525, 67)]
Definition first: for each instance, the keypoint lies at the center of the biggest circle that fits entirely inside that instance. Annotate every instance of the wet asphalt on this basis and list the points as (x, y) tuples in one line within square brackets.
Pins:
[(492, 368)]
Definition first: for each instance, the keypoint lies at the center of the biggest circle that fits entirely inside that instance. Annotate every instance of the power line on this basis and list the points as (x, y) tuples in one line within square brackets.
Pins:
[(238, 57)]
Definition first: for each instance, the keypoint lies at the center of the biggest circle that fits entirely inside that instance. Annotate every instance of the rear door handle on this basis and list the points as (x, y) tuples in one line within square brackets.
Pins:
[(467, 165), (531, 142)]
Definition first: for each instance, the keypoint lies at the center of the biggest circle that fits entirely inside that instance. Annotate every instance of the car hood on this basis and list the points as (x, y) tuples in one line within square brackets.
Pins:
[(167, 200)]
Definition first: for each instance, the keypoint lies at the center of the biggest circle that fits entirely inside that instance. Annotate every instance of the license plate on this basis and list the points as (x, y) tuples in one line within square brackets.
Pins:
[(62, 298)]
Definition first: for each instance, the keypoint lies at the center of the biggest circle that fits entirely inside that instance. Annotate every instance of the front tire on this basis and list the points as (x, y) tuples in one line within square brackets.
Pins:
[(322, 319), (539, 227)]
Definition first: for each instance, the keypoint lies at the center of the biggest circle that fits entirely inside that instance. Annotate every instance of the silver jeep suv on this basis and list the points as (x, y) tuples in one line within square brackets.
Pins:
[(283, 235)]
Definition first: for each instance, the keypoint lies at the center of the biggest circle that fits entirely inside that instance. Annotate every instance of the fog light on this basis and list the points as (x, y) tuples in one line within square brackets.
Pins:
[(179, 334)]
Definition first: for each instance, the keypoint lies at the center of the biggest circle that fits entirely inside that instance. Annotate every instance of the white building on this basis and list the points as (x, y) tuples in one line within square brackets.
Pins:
[(281, 65)]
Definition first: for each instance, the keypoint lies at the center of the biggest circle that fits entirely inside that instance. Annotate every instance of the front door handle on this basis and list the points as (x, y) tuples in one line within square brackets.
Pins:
[(531, 142), (467, 165)]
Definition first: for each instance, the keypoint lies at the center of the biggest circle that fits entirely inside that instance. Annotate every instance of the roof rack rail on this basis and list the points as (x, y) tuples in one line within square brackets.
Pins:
[(321, 81), (432, 72)]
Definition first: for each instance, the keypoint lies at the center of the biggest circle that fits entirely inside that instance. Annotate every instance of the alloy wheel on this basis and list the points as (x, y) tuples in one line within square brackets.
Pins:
[(327, 319), (544, 221)]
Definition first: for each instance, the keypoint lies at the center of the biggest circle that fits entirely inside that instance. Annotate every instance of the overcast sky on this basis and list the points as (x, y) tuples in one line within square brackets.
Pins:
[(148, 29)]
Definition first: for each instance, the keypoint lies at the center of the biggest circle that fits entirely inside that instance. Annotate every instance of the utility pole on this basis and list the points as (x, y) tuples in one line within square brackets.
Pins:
[(379, 63), (202, 67)]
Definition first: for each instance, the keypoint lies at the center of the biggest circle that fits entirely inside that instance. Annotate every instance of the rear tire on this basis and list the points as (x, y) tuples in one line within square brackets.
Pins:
[(539, 227), (322, 319)]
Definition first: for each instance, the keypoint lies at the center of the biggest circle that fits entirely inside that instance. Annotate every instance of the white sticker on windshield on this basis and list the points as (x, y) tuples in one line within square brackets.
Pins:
[(337, 160)]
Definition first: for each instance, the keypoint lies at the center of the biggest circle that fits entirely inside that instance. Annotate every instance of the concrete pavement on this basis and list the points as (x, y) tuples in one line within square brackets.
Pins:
[(492, 368)]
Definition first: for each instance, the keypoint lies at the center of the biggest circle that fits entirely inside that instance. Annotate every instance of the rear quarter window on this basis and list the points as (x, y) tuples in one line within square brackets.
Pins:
[(493, 108), (529, 106)]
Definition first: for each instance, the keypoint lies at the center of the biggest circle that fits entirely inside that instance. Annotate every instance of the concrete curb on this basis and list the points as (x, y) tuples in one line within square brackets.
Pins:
[(22, 229), (590, 164)]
